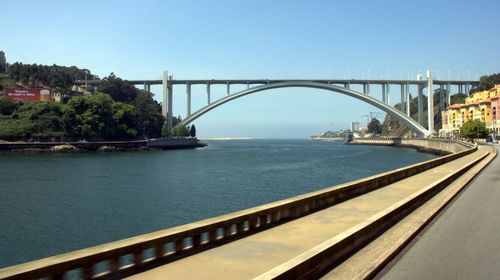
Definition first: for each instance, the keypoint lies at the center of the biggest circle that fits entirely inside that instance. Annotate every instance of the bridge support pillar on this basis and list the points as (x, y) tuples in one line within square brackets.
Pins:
[(403, 103), (167, 99), (430, 103), (348, 85), (208, 93), (408, 99), (188, 93), (442, 101), (387, 93), (366, 89), (228, 89), (420, 105), (448, 96)]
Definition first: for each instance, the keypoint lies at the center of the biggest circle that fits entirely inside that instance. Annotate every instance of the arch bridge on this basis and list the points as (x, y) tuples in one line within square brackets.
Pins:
[(342, 86)]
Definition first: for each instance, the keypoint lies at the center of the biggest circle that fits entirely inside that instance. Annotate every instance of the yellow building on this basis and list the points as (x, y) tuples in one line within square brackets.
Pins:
[(476, 107), (483, 95)]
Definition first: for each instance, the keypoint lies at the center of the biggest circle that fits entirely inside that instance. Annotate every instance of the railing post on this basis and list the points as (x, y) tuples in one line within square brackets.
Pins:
[(58, 276), (138, 258), (159, 250), (212, 235), (227, 231), (114, 265), (179, 246), (240, 227), (196, 241), (87, 272), (254, 223), (276, 216), (263, 220)]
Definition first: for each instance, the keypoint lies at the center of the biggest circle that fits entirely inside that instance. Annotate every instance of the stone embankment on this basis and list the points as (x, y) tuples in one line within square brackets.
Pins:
[(435, 146)]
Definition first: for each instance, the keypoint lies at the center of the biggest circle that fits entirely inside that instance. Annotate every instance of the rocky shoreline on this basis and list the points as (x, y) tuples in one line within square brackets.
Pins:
[(112, 146)]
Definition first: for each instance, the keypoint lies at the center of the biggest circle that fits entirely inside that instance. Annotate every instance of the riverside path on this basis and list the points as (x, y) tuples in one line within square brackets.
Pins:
[(264, 254), (463, 242)]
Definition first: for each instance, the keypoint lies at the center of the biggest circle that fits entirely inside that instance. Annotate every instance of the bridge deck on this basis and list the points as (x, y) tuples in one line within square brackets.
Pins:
[(252, 256)]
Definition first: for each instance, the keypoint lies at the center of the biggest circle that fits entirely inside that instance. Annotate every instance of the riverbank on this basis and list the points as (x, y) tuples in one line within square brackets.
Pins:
[(328, 138), (432, 146), (101, 146)]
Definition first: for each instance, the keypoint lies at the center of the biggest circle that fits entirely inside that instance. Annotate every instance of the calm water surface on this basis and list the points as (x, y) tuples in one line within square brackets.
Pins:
[(51, 204)]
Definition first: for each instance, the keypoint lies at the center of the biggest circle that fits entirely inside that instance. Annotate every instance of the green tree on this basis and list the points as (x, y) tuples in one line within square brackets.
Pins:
[(474, 129), (125, 122), (90, 117), (6, 105), (166, 131), (192, 131), (180, 131), (458, 98), (120, 90), (374, 127), (149, 117)]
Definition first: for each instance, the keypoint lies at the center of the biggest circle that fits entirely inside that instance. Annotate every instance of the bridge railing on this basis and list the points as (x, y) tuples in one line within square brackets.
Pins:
[(125, 257)]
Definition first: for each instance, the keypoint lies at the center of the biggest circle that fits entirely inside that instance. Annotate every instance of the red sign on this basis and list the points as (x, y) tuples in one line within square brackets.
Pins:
[(28, 94)]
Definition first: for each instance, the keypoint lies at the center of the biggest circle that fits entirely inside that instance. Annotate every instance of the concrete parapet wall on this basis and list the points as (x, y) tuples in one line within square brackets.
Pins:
[(435, 145), (313, 263), (171, 244)]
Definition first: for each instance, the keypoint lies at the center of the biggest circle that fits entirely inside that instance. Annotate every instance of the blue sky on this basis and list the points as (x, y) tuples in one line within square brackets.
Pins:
[(259, 39)]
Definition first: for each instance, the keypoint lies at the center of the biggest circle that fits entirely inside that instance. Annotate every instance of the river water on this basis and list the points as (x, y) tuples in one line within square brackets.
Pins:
[(55, 203)]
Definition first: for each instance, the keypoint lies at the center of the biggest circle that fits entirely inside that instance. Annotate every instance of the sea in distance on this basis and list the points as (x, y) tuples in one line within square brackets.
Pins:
[(55, 203)]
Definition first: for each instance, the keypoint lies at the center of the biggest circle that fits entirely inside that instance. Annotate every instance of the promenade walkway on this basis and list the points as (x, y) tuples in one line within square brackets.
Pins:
[(253, 256), (463, 242)]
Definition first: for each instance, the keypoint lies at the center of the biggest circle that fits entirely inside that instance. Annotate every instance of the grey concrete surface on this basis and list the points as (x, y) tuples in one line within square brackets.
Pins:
[(463, 242)]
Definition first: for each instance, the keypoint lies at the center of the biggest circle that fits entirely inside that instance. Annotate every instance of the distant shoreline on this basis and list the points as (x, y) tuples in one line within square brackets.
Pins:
[(227, 138), (328, 138)]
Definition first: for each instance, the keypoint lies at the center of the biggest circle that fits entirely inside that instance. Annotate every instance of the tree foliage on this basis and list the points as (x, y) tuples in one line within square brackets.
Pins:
[(120, 90), (486, 82), (93, 117), (192, 131), (374, 126), (44, 75), (6, 105), (99, 117), (120, 111), (149, 117), (474, 129)]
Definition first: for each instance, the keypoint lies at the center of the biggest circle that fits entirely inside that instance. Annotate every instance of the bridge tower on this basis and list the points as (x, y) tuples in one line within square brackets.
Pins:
[(166, 107), (430, 103)]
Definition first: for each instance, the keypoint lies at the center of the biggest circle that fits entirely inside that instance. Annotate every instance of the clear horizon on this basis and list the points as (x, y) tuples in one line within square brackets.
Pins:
[(260, 39)]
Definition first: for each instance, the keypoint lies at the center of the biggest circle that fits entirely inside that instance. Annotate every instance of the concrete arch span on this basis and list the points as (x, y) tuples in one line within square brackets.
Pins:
[(409, 122)]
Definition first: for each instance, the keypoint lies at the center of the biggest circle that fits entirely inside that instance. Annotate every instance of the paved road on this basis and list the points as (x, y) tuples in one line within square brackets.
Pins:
[(463, 242)]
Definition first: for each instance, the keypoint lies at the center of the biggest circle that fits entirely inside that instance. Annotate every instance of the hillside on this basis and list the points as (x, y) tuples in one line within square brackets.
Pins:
[(119, 111), (393, 127)]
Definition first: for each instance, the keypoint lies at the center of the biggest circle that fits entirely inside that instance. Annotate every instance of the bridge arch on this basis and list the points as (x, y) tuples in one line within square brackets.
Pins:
[(409, 122)]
